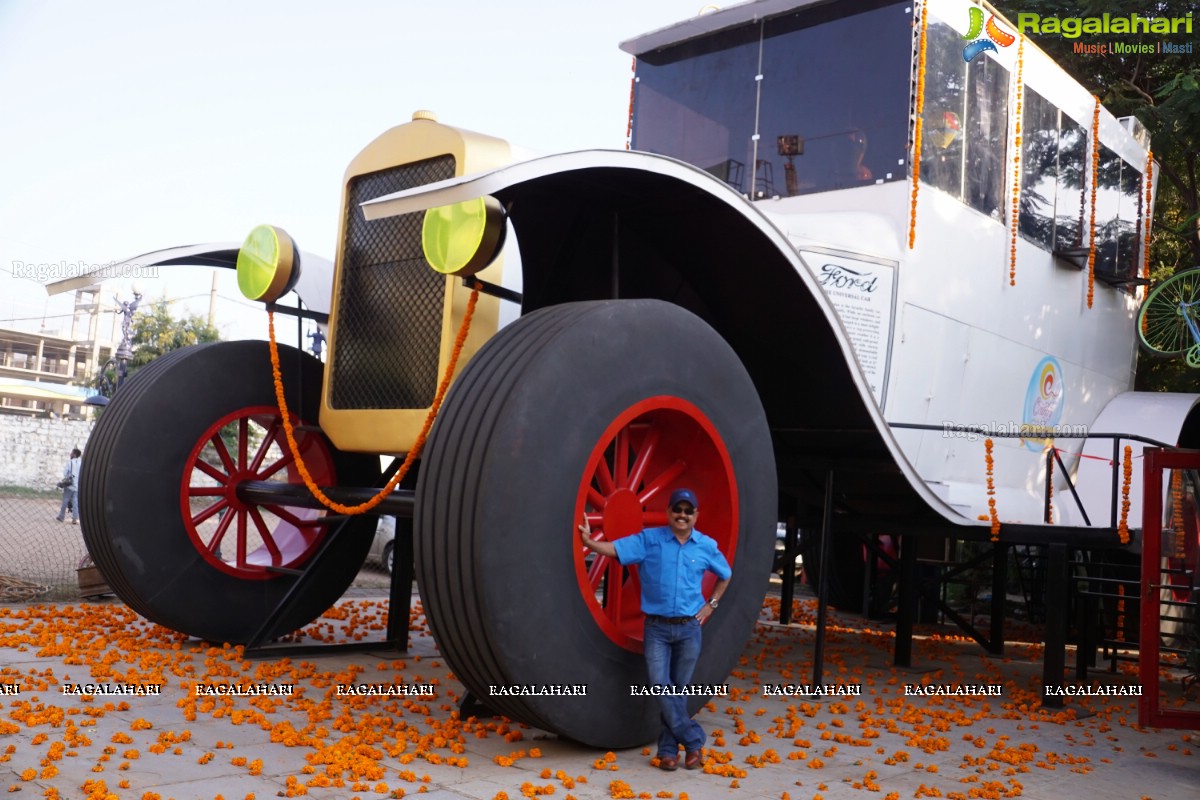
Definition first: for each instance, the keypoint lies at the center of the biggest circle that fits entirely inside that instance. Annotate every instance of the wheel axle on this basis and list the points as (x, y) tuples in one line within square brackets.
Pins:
[(398, 504)]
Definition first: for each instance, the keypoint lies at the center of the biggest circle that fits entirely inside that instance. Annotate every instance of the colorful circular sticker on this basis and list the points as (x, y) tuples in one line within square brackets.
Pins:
[(1043, 402)]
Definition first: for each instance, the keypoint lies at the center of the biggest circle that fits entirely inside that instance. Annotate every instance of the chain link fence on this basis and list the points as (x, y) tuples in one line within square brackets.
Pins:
[(40, 557), (38, 554)]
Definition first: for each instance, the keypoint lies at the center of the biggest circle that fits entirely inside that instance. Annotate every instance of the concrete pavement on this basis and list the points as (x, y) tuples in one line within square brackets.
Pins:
[(882, 743)]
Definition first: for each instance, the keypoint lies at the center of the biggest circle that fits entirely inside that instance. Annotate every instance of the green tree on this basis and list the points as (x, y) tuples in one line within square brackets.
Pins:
[(1162, 90), (156, 332)]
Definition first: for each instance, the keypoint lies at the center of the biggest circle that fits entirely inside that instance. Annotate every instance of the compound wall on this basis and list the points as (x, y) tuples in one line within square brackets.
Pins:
[(34, 450)]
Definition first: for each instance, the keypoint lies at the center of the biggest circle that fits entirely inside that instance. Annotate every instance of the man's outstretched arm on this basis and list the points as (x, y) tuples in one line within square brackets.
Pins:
[(601, 548)]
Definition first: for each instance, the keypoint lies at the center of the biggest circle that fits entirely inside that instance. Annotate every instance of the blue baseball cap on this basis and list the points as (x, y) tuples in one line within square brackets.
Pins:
[(681, 495)]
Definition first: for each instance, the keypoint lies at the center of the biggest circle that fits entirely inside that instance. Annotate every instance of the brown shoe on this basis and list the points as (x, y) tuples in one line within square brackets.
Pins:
[(692, 759), (668, 763)]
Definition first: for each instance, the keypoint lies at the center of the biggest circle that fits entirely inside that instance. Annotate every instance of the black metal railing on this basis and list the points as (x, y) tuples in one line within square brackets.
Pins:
[(1053, 454)]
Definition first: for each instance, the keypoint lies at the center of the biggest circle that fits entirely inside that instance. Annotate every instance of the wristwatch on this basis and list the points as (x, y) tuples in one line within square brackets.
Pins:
[(713, 602)]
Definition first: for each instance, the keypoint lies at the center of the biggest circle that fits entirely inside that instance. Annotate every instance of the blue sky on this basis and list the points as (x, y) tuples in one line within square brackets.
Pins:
[(130, 126)]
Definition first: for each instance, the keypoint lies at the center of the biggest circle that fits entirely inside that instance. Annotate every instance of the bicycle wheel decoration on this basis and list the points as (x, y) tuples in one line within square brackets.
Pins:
[(1169, 319)]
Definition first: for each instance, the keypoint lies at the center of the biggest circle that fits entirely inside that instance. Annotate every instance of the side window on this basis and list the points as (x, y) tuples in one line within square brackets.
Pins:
[(965, 123), (695, 102), (987, 135), (1128, 235), (945, 109), (1056, 185), (1118, 207), (1070, 204), (1108, 205), (834, 110), (1039, 170)]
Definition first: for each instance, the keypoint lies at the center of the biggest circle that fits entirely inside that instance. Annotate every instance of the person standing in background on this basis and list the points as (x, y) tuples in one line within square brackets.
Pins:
[(70, 487)]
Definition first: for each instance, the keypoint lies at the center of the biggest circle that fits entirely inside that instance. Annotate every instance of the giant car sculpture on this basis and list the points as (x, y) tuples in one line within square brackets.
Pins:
[(824, 254)]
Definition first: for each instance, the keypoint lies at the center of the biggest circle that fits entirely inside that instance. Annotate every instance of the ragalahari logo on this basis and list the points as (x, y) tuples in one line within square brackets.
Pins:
[(995, 35)]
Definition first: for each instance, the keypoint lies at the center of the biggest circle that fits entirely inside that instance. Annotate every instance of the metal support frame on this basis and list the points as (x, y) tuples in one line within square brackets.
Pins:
[(1059, 542), (399, 607), (931, 590), (818, 673), (471, 282), (400, 591), (908, 601), (787, 591), (1057, 601), (995, 644)]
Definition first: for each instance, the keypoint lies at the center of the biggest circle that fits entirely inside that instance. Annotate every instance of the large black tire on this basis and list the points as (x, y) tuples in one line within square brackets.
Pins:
[(132, 492), (505, 480)]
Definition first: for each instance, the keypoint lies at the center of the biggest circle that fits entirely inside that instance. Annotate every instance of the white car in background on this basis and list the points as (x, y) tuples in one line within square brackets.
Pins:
[(384, 543)]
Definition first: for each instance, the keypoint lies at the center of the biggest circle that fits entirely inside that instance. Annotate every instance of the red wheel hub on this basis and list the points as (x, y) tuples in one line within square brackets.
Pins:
[(242, 539), (652, 448)]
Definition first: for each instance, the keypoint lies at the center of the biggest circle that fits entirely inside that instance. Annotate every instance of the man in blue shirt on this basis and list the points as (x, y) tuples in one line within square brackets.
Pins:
[(671, 562)]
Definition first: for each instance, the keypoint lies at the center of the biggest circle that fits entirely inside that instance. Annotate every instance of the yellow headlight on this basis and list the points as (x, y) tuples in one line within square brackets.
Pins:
[(463, 238), (267, 264)]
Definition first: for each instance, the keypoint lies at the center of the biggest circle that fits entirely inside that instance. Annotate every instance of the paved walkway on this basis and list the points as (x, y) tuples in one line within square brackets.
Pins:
[(881, 744)]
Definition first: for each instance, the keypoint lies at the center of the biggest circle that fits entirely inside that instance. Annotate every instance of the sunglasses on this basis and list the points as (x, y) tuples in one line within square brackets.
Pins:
[(688, 510)]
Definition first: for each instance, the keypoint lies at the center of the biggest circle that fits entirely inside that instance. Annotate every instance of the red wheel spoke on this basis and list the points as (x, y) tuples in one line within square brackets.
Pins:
[(654, 519), (643, 459), (604, 478), (215, 508), (241, 539), (596, 571), (240, 558), (243, 442), (661, 482), (286, 460), (222, 453), (213, 472), (596, 500), (214, 544), (621, 458), (287, 516), (612, 590), (267, 539), (265, 446)]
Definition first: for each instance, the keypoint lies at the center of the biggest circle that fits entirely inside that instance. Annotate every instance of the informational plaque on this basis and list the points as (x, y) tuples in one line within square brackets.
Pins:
[(863, 293)]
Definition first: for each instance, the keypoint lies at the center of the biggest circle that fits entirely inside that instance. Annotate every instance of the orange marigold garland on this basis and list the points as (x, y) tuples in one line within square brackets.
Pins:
[(991, 488), (1120, 612), (417, 447), (1016, 207), (1095, 181), (1050, 489), (1177, 511), (1148, 180), (1126, 479), (920, 110), (632, 85)]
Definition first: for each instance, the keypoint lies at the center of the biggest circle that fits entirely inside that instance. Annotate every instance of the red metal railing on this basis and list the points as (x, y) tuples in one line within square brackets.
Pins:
[(1150, 710)]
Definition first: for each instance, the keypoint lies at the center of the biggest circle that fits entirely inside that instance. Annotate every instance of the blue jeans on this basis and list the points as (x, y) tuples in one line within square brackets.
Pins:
[(69, 501), (671, 655)]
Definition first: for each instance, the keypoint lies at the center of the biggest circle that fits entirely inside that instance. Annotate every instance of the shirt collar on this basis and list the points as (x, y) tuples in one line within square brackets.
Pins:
[(667, 533)]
